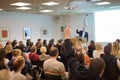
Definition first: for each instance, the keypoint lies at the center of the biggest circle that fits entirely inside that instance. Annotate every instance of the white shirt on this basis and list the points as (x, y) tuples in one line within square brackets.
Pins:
[(83, 34)]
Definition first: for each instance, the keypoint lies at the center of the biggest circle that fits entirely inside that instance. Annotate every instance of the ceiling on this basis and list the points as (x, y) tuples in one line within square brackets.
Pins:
[(81, 6)]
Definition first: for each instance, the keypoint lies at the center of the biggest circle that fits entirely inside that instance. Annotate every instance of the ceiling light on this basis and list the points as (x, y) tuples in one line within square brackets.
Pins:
[(50, 3), (115, 7), (95, 0), (24, 8), (103, 3), (1, 9), (46, 10), (20, 4)]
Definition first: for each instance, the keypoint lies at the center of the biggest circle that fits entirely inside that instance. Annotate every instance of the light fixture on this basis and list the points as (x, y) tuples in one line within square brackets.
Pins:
[(23, 8), (95, 0), (46, 10), (20, 4), (1, 9), (50, 3), (103, 3)]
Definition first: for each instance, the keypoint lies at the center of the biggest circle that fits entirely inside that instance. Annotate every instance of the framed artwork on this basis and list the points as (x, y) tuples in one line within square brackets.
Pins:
[(4, 33), (44, 31), (26, 33)]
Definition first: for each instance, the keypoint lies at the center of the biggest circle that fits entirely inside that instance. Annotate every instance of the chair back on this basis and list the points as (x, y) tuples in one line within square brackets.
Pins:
[(53, 77)]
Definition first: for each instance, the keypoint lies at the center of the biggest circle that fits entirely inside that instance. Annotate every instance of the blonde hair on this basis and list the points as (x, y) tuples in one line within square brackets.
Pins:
[(19, 62), (17, 52), (8, 48), (43, 49), (115, 48), (98, 46)]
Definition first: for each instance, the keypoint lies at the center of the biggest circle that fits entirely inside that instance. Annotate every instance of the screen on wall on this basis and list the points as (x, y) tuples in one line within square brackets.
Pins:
[(107, 26)]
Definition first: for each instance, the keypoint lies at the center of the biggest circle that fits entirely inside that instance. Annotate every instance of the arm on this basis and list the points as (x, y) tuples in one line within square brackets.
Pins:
[(74, 65)]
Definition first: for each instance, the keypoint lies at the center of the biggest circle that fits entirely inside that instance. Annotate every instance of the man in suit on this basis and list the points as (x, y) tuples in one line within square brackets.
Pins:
[(82, 33)]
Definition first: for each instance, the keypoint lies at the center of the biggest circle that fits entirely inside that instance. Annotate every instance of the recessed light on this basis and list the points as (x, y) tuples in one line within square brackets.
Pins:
[(1, 9), (20, 4), (95, 0), (46, 10), (103, 3), (50, 3), (24, 8)]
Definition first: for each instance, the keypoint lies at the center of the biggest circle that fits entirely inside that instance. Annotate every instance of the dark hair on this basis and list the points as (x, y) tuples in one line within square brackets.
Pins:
[(2, 56), (53, 51), (97, 65), (80, 57), (107, 49)]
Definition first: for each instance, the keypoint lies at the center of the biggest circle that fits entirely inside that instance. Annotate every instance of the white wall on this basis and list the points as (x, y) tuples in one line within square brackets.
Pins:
[(17, 21)]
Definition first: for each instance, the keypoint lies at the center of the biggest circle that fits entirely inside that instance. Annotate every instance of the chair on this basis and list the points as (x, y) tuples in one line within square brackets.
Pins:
[(53, 77)]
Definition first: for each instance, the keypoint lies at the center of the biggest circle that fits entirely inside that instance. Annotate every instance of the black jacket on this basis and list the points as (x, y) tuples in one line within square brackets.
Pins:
[(77, 71), (111, 71)]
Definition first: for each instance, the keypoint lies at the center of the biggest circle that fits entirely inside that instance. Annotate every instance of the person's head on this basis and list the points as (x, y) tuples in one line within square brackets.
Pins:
[(54, 52), (2, 56), (8, 48), (18, 63), (80, 57), (97, 66), (115, 48), (39, 40), (98, 46), (43, 49), (5, 74), (107, 49), (33, 49), (16, 52), (59, 42)]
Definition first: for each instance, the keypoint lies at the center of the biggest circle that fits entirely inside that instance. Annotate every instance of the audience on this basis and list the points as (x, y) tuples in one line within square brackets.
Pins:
[(66, 60), (5, 75), (116, 49), (112, 69), (4, 70), (33, 56), (77, 71), (91, 48), (8, 50), (18, 64), (98, 50), (52, 66), (3, 60), (97, 66)]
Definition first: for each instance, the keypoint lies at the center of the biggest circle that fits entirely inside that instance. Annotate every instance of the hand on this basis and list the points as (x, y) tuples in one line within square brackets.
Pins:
[(67, 32)]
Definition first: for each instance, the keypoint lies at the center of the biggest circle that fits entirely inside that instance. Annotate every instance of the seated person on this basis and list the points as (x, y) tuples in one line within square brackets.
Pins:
[(33, 56), (43, 55), (18, 64), (5, 74), (77, 71), (97, 66), (52, 66)]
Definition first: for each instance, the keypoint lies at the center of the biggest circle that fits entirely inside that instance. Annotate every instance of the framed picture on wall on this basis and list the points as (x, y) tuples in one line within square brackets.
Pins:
[(26, 33), (44, 31), (4, 33)]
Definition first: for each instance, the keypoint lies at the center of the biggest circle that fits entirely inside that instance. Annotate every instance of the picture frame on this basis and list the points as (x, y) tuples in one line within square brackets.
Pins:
[(4, 33), (26, 33), (44, 31)]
